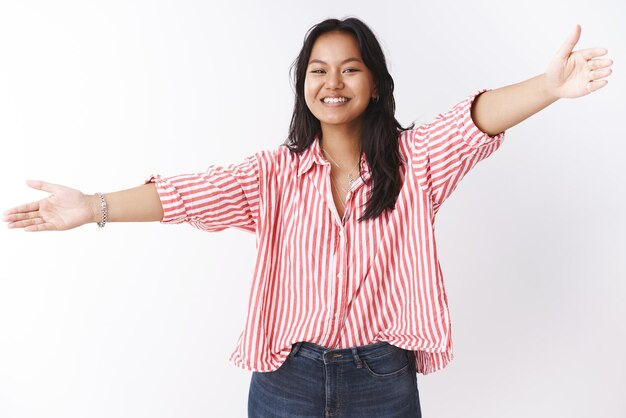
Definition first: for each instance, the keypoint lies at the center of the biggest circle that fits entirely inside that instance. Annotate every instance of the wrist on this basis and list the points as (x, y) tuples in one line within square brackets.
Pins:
[(94, 204), (549, 91), (103, 210)]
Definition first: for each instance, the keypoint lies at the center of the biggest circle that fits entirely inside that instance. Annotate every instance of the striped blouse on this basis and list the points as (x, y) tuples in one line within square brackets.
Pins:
[(331, 281)]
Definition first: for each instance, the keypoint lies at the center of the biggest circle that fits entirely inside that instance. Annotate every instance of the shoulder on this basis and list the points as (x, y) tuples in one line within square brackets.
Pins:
[(457, 118), (405, 139), (280, 155), (280, 159)]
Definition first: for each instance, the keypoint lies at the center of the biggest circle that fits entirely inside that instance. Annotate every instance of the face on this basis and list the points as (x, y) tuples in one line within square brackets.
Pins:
[(338, 86)]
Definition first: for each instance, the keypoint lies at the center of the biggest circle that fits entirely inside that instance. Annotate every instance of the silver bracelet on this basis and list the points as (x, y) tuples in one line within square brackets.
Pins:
[(103, 207)]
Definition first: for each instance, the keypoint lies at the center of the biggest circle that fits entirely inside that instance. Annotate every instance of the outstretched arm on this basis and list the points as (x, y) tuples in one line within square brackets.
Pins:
[(569, 75), (67, 208)]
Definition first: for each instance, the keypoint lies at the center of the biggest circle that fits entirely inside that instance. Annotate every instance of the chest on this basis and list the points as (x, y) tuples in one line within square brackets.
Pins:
[(341, 184), (320, 207)]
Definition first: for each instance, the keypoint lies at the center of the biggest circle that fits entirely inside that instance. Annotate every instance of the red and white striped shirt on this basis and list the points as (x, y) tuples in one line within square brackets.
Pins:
[(337, 282)]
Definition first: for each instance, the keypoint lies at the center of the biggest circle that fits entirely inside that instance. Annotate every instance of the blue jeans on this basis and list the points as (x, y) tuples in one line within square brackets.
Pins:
[(377, 380)]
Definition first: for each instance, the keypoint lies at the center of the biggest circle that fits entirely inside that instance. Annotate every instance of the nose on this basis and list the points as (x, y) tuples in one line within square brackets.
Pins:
[(334, 80)]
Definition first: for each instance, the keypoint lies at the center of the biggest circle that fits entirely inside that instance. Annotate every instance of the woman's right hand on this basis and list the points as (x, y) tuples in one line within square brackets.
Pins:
[(64, 209)]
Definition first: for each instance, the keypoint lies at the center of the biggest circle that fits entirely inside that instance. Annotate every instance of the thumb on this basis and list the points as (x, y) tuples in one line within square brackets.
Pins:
[(570, 43), (42, 185)]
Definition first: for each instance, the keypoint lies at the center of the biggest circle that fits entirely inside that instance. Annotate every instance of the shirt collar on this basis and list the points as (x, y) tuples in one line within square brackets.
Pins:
[(313, 155)]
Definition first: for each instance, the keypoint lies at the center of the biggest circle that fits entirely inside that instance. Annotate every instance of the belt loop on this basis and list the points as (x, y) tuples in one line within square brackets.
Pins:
[(357, 359), (294, 349)]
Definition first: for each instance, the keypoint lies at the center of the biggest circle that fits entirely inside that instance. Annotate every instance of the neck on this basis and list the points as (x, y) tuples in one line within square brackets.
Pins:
[(343, 144)]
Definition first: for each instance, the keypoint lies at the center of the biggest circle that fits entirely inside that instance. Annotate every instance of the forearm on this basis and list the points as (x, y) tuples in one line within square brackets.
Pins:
[(139, 204), (495, 111)]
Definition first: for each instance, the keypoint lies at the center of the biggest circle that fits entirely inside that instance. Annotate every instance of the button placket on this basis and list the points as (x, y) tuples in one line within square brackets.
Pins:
[(340, 282)]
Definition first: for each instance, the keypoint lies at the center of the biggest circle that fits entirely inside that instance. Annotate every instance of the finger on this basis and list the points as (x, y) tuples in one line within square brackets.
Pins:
[(590, 53), (42, 185), (21, 216), (27, 207), (597, 74), (571, 41), (596, 85), (596, 64), (25, 223)]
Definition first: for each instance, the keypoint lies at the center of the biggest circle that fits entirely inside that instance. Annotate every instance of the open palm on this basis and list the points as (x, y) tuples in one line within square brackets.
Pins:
[(65, 208), (574, 74)]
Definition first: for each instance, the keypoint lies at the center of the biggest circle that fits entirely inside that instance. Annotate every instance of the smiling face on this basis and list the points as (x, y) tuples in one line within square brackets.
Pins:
[(338, 86)]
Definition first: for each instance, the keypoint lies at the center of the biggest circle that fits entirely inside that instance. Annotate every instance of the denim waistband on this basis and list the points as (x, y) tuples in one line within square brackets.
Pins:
[(339, 355)]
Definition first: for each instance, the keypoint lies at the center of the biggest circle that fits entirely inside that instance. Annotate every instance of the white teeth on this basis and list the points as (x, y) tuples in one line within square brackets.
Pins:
[(335, 99)]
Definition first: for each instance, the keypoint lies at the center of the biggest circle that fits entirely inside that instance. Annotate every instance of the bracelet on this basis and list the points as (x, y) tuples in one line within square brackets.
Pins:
[(103, 207)]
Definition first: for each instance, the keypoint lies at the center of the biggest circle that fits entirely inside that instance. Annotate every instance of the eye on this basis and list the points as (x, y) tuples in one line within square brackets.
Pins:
[(352, 70), (317, 71)]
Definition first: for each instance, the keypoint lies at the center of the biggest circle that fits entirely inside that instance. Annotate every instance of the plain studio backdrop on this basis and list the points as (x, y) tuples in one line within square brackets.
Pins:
[(139, 320)]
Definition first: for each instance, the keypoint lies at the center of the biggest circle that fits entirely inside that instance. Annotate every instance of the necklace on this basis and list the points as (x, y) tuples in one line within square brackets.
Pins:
[(337, 187), (343, 205), (351, 178)]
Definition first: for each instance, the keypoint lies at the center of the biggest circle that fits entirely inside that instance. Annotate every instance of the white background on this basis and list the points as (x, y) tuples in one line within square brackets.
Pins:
[(138, 320)]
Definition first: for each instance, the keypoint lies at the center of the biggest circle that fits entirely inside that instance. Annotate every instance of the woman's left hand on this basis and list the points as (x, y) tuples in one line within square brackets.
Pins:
[(575, 74)]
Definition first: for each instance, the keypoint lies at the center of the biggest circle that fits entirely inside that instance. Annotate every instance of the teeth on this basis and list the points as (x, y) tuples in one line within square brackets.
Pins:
[(334, 99)]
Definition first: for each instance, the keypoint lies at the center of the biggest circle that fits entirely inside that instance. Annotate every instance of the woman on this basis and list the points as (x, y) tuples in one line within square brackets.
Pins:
[(347, 301)]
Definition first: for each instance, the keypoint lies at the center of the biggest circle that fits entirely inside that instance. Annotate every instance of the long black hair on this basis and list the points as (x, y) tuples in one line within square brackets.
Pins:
[(380, 131)]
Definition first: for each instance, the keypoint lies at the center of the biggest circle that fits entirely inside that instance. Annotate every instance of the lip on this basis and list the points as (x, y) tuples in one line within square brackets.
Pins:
[(334, 104)]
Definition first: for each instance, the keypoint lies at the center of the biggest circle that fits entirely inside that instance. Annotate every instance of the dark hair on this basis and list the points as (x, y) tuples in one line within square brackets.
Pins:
[(380, 132)]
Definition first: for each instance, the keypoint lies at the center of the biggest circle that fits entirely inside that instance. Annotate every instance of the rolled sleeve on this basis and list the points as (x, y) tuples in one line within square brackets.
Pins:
[(221, 197), (171, 201), (447, 148)]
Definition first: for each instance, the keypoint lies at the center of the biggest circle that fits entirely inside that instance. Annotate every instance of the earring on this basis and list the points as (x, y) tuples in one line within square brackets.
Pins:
[(375, 99)]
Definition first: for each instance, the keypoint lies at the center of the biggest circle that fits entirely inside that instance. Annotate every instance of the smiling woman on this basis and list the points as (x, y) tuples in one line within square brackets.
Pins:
[(344, 98), (347, 302), (338, 90)]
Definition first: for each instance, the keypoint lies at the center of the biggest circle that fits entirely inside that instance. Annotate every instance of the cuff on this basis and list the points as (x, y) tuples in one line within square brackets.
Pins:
[(471, 133), (170, 200)]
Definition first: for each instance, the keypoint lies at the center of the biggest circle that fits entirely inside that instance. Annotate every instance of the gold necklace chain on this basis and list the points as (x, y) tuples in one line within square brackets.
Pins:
[(337, 187), (351, 179), (343, 205)]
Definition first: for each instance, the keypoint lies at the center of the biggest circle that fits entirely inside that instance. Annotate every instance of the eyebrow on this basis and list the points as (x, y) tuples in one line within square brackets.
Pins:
[(316, 61)]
